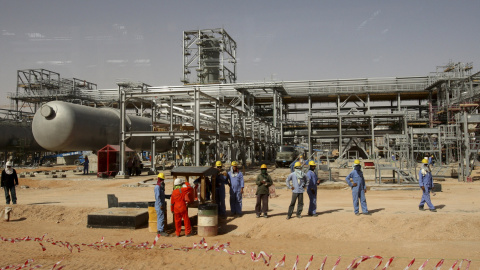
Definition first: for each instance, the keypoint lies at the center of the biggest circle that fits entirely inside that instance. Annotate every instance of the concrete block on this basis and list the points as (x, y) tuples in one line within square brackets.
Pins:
[(32, 175), (22, 175), (54, 176), (118, 218), (133, 204), (112, 200), (64, 175)]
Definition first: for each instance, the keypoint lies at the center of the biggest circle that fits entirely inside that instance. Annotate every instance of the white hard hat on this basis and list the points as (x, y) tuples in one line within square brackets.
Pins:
[(178, 182), (9, 163)]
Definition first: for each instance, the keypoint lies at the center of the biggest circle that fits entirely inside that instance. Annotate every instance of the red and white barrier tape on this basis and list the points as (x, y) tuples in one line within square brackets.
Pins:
[(281, 263), (203, 245), (261, 255), (388, 263), (323, 263), (410, 264)]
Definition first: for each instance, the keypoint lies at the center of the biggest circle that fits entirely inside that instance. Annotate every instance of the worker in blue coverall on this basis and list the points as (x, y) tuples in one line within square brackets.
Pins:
[(313, 182), (85, 165), (235, 177), (220, 181), (358, 188), (298, 185), (160, 204), (425, 180)]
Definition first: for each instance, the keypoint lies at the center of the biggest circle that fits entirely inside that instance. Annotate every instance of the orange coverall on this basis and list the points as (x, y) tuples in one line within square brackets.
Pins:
[(178, 206)]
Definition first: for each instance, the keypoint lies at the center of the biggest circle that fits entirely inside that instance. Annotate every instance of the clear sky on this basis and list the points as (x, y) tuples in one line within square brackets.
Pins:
[(281, 40)]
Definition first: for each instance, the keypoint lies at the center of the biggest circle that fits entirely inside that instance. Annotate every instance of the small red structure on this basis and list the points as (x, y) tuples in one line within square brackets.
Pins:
[(108, 160)]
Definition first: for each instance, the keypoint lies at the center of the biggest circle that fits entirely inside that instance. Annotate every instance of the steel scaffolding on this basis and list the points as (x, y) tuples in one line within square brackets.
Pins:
[(210, 54)]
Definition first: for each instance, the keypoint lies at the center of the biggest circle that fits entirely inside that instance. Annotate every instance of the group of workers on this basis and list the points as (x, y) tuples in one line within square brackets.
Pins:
[(297, 181)]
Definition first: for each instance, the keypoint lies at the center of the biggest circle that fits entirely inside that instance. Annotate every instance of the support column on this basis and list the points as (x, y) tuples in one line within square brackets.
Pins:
[(197, 127), (368, 102), (309, 124), (398, 102), (281, 121), (274, 108), (372, 125), (309, 105), (338, 104), (466, 141), (217, 129), (171, 114), (340, 138), (153, 145), (121, 173)]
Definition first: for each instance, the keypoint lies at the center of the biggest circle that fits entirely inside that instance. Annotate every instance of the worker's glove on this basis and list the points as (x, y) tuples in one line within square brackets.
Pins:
[(354, 184), (292, 188), (423, 188), (162, 207), (313, 191)]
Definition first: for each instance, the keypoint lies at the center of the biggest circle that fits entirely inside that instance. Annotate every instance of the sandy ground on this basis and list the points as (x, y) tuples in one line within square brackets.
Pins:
[(59, 208)]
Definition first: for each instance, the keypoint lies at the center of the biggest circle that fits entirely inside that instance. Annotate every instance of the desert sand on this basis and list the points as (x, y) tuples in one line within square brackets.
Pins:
[(57, 210)]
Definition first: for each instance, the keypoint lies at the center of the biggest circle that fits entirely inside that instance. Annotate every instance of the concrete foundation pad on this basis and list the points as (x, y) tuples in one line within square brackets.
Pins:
[(118, 218)]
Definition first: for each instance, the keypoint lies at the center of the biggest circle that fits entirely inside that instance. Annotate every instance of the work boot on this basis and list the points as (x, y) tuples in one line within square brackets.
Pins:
[(357, 214), (367, 213), (288, 217), (421, 208), (299, 216), (265, 215), (258, 215), (188, 235), (433, 210), (163, 234)]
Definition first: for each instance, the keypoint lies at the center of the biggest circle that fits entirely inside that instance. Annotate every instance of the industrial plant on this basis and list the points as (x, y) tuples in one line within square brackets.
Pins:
[(390, 123)]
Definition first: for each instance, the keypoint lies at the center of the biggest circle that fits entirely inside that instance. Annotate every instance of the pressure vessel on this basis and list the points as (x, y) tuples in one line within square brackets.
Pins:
[(62, 126), (16, 135)]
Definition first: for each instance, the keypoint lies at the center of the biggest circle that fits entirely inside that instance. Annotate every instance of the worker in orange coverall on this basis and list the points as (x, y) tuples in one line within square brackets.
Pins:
[(180, 197)]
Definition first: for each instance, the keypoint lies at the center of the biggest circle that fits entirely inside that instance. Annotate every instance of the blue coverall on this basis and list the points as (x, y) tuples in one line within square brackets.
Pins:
[(427, 182), (220, 194), (312, 192), (236, 185), (299, 185), (358, 192), (160, 202), (85, 165)]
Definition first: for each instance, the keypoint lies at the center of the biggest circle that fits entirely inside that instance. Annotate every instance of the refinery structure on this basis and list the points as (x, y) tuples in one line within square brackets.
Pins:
[(211, 116)]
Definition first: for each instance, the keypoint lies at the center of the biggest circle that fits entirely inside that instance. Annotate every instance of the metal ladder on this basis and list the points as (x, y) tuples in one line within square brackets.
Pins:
[(405, 175)]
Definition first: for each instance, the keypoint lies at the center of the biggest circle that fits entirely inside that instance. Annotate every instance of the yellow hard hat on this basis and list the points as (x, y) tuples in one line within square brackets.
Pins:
[(312, 163), (234, 163), (424, 161), (297, 164), (356, 162), (264, 166), (161, 175), (218, 163)]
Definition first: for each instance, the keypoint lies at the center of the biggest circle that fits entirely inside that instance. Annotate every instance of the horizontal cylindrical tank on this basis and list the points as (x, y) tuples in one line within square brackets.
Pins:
[(17, 136), (61, 126)]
